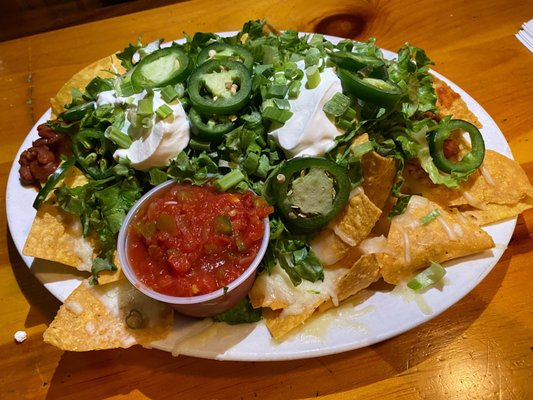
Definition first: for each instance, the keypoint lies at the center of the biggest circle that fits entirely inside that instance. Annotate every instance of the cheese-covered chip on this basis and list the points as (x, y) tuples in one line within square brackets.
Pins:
[(107, 317), (426, 232), (56, 235), (499, 189), (328, 247)]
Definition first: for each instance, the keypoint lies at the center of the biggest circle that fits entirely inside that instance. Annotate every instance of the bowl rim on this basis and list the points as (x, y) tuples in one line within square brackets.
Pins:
[(135, 281)]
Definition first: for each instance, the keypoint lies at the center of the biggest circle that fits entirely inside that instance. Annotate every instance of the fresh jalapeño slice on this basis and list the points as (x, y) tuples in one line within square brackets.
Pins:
[(220, 87), (160, 68), (376, 91)]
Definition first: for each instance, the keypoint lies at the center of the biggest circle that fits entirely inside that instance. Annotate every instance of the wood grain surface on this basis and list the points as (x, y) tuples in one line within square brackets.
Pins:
[(481, 348)]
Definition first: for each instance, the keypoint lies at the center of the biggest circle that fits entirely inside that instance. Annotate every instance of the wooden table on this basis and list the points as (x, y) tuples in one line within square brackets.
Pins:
[(482, 347)]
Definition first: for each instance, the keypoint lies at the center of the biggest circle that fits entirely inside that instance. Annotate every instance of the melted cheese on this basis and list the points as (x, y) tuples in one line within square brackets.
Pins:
[(277, 287)]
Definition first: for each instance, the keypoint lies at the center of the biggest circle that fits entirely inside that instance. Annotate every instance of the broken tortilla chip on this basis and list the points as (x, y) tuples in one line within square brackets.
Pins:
[(414, 240), (107, 67), (450, 102), (56, 235), (286, 306), (379, 174), (328, 247), (498, 190), (107, 317), (355, 222), (280, 325), (361, 274)]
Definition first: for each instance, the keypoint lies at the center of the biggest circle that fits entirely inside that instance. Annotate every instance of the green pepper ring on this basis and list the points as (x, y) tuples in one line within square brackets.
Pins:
[(375, 91), (52, 181), (295, 166), (226, 52), (140, 80), (203, 131), (355, 62), (222, 105), (85, 139), (77, 112), (470, 161)]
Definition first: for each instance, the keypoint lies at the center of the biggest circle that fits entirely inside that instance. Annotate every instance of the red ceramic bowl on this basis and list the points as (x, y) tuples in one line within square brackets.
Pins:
[(204, 305)]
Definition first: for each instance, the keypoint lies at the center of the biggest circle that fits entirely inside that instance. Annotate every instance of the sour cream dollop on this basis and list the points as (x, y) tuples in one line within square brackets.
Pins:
[(309, 131), (154, 146)]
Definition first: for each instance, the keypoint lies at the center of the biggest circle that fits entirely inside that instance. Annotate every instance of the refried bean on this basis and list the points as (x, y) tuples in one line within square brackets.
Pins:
[(39, 161)]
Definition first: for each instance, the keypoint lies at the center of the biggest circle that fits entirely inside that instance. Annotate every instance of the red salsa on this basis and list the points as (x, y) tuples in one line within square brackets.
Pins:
[(192, 240)]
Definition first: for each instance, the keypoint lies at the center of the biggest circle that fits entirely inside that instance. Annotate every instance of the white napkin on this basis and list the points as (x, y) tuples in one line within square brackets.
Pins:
[(525, 34)]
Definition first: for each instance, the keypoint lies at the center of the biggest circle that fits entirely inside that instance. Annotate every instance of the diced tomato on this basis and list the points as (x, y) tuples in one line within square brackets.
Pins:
[(185, 254)]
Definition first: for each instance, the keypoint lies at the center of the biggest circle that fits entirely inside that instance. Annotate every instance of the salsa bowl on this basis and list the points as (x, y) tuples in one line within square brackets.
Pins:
[(154, 250)]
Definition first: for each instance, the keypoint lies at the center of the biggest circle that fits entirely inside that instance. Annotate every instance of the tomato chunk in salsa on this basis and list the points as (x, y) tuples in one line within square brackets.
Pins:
[(192, 240)]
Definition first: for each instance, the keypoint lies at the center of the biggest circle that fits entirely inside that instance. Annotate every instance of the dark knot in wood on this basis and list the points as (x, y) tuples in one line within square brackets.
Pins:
[(343, 25)]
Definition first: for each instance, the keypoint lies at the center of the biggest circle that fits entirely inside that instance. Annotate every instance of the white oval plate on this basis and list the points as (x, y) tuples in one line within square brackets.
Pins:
[(376, 314)]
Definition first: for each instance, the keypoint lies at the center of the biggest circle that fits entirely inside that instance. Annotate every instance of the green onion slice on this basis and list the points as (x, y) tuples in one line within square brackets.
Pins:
[(163, 111), (118, 137), (134, 319), (431, 275), (313, 77), (231, 179), (426, 219)]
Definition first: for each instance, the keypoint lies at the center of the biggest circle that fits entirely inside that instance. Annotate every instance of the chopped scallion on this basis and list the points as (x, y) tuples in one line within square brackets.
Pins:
[(431, 275), (294, 89), (169, 94), (278, 90), (163, 111), (312, 57), (127, 89), (231, 179), (434, 214), (223, 225), (118, 137), (361, 149), (251, 162), (145, 107), (275, 114), (337, 105), (344, 124), (313, 77), (134, 319)]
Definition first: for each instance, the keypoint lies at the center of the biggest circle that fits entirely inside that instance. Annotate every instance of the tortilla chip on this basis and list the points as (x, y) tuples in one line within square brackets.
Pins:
[(357, 219), (328, 247), (104, 68), (379, 174), (500, 189), (56, 235), (413, 245), (450, 103), (279, 326), (364, 272), (286, 306), (94, 318)]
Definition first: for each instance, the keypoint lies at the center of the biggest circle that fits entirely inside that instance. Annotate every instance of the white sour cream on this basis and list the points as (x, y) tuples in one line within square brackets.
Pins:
[(155, 146), (309, 131)]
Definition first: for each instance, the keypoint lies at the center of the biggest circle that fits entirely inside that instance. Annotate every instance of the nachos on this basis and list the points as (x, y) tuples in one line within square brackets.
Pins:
[(375, 168)]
